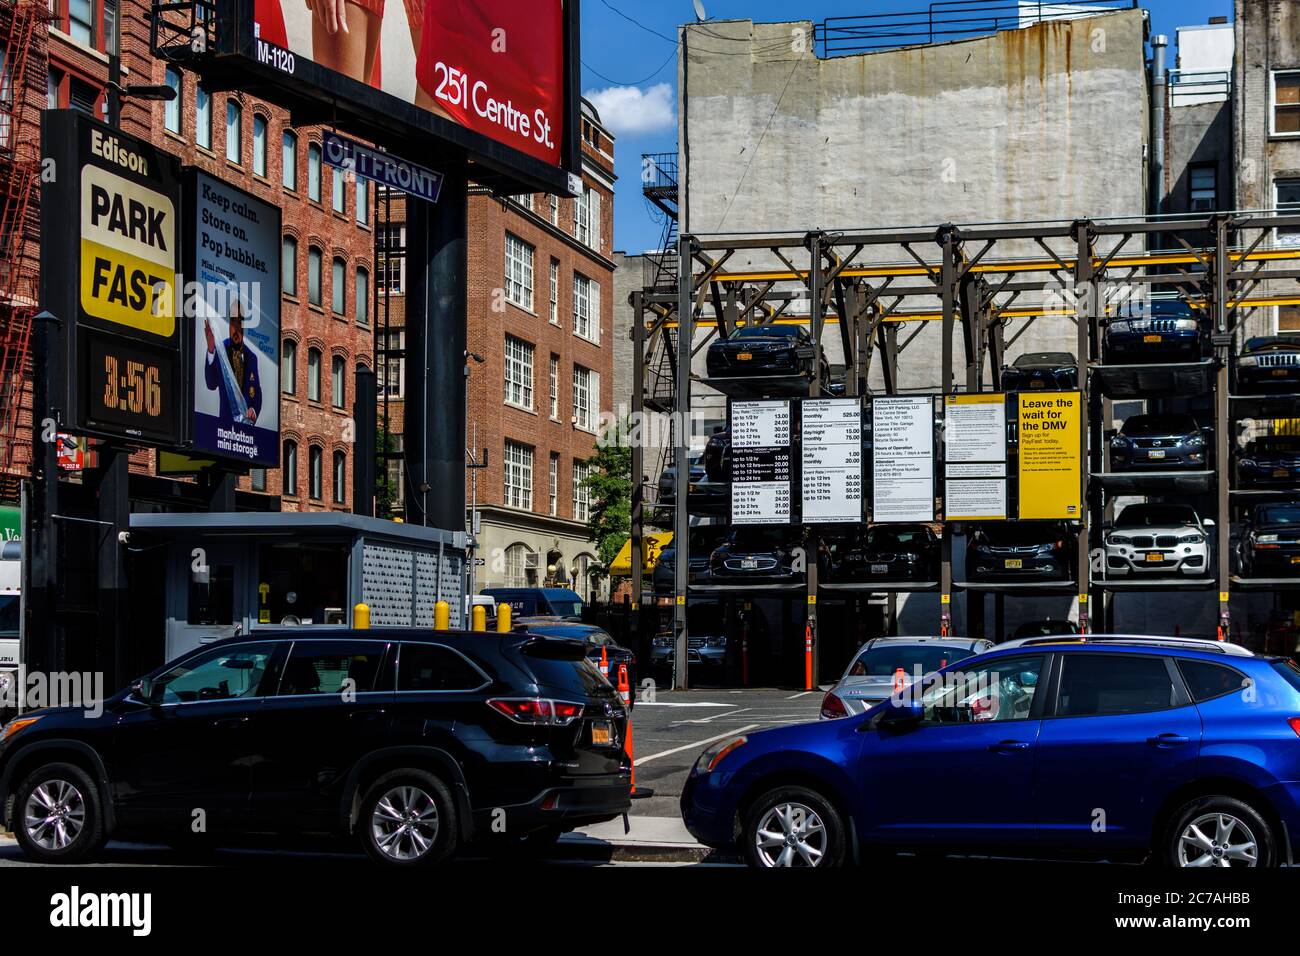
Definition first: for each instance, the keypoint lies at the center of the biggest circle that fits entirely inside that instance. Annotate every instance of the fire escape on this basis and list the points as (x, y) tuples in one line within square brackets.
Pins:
[(23, 37), (659, 186)]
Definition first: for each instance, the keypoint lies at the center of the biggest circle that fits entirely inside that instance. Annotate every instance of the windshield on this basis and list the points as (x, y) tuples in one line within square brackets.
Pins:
[(9, 615), (565, 607), (767, 332), (1020, 533), (879, 540), (885, 660), (1154, 516), (1285, 443), (1279, 514), (1045, 358), (1159, 425), (760, 538)]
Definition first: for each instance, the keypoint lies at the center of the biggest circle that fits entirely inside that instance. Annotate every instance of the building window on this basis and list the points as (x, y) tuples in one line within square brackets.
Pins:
[(340, 477), (519, 272), (257, 479), (259, 145), (289, 266), (363, 201), (1286, 104), (338, 183), (555, 292), (88, 99), (234, 130), (519, 476), (391, 367), (1288, 204), (581, 493), (586, 218), (81, 21), (202, 118), (315, 467), (586, 393), (390, 245), (363, 297), (339, 286), (289, 161), (313, 375), (555, 210), (313, 172), (586, 308), (289, 468), (524, 200), (555, 387), (520, 567), (172, 109), (338, 375), (393, 484), (1203, 188), (519, 373), (289, 368), (1288, 319), (554, 483), (314, 266)]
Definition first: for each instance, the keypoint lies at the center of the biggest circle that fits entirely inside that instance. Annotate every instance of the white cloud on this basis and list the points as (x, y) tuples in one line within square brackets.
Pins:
[(628, 109)]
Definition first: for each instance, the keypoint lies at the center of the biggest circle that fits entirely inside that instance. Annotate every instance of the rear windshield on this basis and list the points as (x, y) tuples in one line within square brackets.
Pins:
[(580, 677), (885, 661), (1289, 671)]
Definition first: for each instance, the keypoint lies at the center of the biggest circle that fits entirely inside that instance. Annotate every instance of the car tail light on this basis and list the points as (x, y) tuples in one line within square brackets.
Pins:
[(1295, 725), (537, 711), (833, 707)]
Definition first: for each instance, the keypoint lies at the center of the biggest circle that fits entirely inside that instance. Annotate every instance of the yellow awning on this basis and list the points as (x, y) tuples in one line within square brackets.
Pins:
[(651, 545)]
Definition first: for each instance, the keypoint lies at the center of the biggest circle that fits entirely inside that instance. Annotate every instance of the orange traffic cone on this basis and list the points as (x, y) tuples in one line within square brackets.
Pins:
[(604, 663), (625, 692)]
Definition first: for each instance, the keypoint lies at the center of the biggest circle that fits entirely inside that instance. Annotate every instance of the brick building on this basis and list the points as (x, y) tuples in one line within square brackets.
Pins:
[(328, 241), (541, 283)]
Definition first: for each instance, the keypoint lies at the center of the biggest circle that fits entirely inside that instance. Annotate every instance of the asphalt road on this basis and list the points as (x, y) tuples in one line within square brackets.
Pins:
[(669, 733)]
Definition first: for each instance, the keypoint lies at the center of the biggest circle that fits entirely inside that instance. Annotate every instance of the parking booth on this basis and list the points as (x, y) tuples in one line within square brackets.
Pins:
[(217, 575)]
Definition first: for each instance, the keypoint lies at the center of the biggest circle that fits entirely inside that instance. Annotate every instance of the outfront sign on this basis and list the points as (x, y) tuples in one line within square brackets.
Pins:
[(110, 246), (382, 168)]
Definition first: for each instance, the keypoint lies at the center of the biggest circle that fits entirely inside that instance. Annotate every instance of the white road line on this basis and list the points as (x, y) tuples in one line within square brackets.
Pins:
[(712, 717), (665, 703), (797, 696), (698, 743)]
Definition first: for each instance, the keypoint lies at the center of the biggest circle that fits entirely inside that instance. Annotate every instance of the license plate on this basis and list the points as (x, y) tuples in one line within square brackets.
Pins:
[(1280, 473), (749, 563), (744, 356), (1155, 454), (1152, 339), (1037, 384), (602, 732), (1280, 373), (1013, 563), (1296, 560), (1154, 557), (879, 568)]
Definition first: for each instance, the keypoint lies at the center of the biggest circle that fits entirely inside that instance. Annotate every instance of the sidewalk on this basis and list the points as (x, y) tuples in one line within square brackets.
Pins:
[(648, 839)]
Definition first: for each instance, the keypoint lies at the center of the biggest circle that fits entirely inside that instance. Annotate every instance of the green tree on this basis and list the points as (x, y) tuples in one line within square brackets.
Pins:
[(609, 485)]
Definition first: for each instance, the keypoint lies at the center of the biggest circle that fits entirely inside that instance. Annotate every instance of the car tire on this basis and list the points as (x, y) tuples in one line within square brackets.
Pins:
[(66, 791), (408, 818), (1235, 824), (823, 841)]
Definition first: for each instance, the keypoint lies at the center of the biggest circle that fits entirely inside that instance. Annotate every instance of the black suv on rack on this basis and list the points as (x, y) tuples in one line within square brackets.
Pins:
[(764, 350), (1269, 363), (1052, 371), (408, 741)]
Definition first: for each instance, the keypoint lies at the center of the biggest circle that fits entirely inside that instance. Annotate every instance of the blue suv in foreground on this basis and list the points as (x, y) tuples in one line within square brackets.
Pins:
[(1180, 751)]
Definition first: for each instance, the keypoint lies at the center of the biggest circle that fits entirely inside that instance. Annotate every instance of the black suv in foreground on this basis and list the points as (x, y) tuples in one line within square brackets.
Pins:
[(414, 743)]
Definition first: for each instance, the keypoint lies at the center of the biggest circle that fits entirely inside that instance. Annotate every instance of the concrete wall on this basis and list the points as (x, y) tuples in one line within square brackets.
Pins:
[(1203, 49)]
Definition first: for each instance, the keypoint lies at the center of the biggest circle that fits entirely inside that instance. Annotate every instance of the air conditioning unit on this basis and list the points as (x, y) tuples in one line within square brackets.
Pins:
[(532, 561)]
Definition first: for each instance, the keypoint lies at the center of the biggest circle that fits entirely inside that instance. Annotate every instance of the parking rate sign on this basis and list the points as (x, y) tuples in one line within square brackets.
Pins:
[(760, 462)]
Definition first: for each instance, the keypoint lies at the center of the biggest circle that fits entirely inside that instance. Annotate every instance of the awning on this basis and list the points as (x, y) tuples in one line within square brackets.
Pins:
[(651, 545)]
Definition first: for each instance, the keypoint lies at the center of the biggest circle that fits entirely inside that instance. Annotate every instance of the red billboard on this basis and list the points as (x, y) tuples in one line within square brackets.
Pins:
[(495, 67)]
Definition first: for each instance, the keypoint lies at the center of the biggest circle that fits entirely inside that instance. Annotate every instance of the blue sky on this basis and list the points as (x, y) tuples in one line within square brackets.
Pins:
[(629, 63)]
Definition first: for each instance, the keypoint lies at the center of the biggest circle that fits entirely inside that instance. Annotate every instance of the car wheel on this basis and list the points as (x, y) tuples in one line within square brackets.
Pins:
[(1219, 831), (408, 818), (58, 818), (793, 826)]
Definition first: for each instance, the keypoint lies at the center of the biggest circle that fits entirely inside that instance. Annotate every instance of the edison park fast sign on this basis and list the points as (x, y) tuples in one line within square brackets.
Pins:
[(110, 230)]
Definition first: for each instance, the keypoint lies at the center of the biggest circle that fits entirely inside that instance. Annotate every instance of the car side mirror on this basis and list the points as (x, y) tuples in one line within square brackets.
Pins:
[(1208, 522), (147, 691), (901, 716)]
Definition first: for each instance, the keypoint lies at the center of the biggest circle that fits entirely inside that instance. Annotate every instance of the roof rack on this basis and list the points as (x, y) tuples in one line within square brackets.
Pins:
[(1188, 643)]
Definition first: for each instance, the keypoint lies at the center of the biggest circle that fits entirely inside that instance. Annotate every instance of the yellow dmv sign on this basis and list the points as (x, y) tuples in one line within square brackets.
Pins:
[(1050, 455), (128, 253)]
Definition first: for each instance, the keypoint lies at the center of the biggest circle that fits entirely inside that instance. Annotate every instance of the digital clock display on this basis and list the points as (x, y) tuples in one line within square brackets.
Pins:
[(129, 389)]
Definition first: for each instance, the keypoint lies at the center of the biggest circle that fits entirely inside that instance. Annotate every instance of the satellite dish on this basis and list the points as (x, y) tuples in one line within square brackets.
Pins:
[(699, 11)]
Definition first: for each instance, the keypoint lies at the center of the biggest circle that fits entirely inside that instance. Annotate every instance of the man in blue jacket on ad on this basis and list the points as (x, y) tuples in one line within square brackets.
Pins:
[(233, 374)]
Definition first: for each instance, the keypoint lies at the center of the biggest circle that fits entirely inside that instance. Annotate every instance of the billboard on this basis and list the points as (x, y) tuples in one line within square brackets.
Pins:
[(110, 247), (233, 313), (1051, 455)]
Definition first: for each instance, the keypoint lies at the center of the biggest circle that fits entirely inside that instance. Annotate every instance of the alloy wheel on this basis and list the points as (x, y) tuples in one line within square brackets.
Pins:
[(791, 834), (54, 815), (1218, 840), (405, 823)]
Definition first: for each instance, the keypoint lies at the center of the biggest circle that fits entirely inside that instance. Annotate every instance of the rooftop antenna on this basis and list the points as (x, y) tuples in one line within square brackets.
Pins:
[(699, 11)]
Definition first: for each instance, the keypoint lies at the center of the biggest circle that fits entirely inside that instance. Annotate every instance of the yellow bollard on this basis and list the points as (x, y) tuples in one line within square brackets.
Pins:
[(503, 618), (480, 617), (441, 616), (361, 617)]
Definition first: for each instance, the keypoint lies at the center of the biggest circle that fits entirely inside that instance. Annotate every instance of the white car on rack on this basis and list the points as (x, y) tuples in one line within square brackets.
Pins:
[(1166, 540)]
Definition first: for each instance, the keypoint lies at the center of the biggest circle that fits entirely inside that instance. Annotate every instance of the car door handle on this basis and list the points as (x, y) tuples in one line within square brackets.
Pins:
[(1168, 740), (1009, 746), (229, 723)]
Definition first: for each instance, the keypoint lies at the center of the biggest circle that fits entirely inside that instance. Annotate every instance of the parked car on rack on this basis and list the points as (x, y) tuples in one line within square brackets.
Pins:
[(1011, 752), (758, 350), (703, 540), (595, 639), (668, 477), (1158, 539), (1159, 443), (705, 654), (886, 666), (1159, 331), (1013, 551), (895, 552), (717, 455), (1044, 628), (1269, 363), (265, 734), (1269, 461), (1270, 541), (759, 554), (1041, 370)]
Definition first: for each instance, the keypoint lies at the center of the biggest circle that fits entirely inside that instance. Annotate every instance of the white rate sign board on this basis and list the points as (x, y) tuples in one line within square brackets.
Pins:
[(831, 477), (902, 458), (760, 462)]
